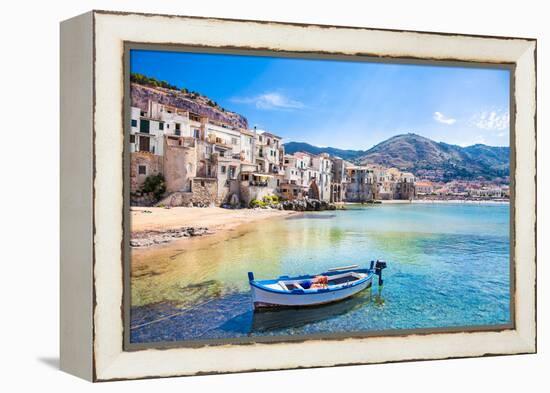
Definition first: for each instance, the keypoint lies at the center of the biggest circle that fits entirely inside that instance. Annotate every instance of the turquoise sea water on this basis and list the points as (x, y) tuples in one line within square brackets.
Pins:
[(448, 266)]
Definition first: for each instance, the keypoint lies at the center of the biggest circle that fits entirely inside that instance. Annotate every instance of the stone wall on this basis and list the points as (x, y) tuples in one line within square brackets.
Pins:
[(204, 191), (202, 195), (179, 163), (153, 166), (249, 193), (404, 190)]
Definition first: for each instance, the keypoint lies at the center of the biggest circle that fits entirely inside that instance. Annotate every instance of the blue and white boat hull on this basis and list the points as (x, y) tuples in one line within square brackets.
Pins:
[(263, 298), (298, 292)]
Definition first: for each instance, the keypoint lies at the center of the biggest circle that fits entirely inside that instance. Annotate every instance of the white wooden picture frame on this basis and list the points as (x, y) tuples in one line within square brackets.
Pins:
[(92, 194)]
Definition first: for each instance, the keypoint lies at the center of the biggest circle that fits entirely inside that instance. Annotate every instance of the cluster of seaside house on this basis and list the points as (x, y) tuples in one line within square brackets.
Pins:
[(205, 162), (462, 189)]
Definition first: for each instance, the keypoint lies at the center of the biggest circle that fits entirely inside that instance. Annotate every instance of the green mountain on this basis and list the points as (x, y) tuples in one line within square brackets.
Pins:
[(426, 158), (349, 155)]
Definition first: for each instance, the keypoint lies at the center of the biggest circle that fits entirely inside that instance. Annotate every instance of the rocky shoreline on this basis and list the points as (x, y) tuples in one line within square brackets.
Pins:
[(157, 231), (151, 238), (302, 205)]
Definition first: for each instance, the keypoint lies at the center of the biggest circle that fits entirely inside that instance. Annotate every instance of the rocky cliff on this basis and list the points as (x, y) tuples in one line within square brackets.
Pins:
[(192, 102)]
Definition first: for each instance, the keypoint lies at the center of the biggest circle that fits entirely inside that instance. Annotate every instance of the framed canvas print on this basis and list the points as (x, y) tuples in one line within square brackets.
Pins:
[(245, 195)]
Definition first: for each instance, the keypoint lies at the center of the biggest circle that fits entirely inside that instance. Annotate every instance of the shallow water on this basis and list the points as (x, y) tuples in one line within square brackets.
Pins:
[(448, 266)]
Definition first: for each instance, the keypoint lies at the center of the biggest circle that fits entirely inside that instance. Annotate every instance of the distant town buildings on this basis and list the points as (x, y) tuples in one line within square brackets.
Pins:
[(205, 161)]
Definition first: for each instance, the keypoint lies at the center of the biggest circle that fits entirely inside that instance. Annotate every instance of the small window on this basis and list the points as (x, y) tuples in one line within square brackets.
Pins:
[(197, 133), (142, 169), (132, 138), (223, 169), (234, 141), (178, 126), (134, 123), (144, 126), (202, 183), (161, 126)]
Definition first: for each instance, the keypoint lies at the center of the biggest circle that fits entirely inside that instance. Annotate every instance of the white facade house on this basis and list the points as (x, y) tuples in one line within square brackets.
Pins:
[(226, 139), (323, 167), (146, 133), (248, 145), (268, 152)]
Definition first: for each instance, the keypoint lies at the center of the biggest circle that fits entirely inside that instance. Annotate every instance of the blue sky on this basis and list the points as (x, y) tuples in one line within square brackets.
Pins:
[(349, 105)]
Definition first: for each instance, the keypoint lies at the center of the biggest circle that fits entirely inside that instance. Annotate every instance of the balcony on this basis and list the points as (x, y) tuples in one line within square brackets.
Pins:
[(255, 183)]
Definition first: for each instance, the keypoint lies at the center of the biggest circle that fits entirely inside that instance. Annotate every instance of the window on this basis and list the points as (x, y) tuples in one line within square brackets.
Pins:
[(144, 126), (178, 126), (197, 133), (234, 141), (142, 169), (161, 126), (132, 138), (223, 169), (232, 170), (134, 123)]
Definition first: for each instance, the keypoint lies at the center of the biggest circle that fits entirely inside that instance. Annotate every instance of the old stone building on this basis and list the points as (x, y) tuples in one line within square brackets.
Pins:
[(208, 161)]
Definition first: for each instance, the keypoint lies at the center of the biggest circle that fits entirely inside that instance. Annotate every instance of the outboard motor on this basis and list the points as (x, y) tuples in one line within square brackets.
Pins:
[(378, 267)]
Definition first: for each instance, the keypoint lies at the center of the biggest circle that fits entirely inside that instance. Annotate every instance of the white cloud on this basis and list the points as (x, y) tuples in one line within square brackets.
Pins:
[(271, 100), (492, 120), (441, 118)]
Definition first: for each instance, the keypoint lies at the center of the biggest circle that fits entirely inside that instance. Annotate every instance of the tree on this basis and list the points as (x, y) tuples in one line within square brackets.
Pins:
[(154, 184)]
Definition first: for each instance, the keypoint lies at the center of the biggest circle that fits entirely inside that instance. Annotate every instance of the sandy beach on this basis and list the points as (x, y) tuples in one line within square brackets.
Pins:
[(155, 221)]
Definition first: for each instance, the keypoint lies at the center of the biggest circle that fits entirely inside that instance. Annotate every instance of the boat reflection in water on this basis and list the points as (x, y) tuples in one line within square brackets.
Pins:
[(284, 318)]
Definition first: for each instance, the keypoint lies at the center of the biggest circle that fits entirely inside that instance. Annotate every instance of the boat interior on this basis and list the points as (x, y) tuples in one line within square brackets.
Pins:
[(334, 281)]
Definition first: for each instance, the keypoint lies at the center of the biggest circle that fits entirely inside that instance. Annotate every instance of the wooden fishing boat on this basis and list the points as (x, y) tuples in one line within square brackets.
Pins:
[(314, 290)]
